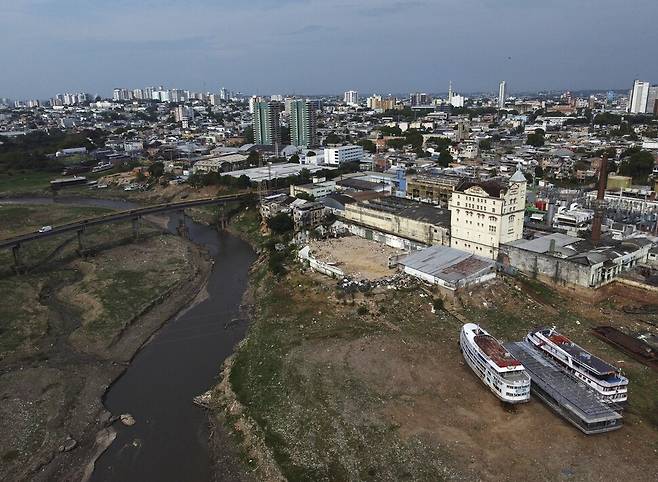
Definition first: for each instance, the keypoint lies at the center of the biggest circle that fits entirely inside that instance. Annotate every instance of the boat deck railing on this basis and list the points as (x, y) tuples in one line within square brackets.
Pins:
[(573, 401), (516, 378)]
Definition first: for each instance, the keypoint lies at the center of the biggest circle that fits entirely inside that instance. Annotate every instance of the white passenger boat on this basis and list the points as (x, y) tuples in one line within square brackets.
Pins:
[(606, 380), (494, 365)]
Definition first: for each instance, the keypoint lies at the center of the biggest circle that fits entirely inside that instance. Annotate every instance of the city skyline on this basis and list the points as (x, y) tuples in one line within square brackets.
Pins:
[(383, 46)]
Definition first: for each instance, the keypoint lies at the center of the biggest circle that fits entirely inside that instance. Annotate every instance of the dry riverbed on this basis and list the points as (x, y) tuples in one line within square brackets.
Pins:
[(70, 325), (330, 386)]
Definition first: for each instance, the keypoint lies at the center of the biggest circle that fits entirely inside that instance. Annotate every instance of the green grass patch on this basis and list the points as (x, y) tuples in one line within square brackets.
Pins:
[(124, 294), (22, 317), (25, 182), (111, 296), (247, 224), (20, 219), (300, 404)]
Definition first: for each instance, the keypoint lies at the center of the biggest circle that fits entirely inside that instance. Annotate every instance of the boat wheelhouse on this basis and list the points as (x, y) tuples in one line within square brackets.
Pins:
[(494, 365), (606, 380)]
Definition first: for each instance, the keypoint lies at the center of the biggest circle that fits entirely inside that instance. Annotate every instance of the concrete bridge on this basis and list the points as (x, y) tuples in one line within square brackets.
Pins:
[(133, 215)]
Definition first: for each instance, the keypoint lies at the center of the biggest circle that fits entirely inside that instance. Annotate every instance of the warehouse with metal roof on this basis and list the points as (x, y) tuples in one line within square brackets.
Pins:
[(448, 267)]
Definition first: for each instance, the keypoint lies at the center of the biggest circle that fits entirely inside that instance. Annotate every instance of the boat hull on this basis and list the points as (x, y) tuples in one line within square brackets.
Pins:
[(504, 392)]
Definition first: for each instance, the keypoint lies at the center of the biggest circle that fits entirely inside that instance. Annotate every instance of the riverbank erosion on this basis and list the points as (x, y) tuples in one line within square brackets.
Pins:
[(345, 385), (70, 325)]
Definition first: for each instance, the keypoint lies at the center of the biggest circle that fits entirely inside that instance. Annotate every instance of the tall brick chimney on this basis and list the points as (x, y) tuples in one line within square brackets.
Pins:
[(599, 206)]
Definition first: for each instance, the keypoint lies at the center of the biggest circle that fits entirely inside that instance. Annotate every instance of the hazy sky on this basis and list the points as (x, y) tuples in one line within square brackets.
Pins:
[(324, 46)]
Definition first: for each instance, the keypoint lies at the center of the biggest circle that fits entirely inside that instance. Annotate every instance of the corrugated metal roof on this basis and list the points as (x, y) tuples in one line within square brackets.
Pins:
[(543, 243), (446, 263)]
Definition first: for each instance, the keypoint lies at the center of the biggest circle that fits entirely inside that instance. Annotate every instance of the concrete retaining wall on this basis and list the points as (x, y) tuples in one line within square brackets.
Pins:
[(319, 266)]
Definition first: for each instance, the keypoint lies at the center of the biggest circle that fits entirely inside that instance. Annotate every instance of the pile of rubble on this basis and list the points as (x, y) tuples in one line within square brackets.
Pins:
[(398, 281)]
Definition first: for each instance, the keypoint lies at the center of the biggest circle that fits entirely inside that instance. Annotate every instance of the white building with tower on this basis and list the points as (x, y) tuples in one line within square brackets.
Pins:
[(486, 214), (457, 100)]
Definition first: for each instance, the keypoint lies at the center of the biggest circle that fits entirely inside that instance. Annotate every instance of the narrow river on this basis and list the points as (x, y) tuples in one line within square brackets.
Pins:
[(169, 442)]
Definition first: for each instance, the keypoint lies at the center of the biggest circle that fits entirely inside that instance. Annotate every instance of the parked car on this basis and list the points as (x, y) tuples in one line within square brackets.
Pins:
[(45, 229)]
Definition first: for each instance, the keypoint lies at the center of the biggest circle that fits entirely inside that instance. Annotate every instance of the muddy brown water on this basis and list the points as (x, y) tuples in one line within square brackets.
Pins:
[(169, 441)]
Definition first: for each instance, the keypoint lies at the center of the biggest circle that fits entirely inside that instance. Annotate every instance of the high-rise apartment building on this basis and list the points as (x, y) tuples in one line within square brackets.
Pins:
[(70, 99), (253, 100), (287, 103), (502, 94), (652, 100), (637, 103), (376, 102), (177, 95), (351, 97), (267, 129), (184, 115), (122, 95), (419, 98), (303, 123)]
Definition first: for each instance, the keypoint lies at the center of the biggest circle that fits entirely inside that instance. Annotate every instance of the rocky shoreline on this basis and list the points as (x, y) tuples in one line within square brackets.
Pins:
[(235, 437), (228, 413)]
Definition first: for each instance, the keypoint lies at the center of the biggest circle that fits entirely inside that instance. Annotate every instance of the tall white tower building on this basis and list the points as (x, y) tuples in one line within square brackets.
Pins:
[(652, 103), (637, 103), (502, 94)]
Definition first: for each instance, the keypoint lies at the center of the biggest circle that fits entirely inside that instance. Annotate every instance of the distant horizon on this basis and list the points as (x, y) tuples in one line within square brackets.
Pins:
[(362, 94)]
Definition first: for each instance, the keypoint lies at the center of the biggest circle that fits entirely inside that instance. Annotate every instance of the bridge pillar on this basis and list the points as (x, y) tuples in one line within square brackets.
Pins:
[(136, 225), (82, 251), (16, 251), (182, 228), (81, 246), (221, 219)]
